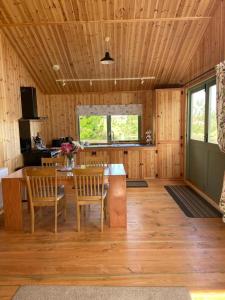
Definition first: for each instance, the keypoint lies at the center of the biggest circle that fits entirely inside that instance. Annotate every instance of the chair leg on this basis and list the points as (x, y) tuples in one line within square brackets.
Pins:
[(56, 217), (32, 218), (64, 209), (105, 208), (102, 217), (78, 217)]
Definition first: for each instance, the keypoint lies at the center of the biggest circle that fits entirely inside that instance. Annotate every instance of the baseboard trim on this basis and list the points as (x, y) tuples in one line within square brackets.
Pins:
[(201, 193)]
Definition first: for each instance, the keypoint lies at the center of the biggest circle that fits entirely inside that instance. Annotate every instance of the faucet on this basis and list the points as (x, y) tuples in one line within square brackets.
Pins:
[(112, 136)]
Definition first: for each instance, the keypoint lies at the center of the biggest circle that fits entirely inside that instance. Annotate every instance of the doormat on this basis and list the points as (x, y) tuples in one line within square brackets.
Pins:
[(191, 203), (136, 183)]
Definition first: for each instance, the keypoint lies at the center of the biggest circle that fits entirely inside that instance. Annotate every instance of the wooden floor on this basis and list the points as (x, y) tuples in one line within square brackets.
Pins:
[(161, 247)]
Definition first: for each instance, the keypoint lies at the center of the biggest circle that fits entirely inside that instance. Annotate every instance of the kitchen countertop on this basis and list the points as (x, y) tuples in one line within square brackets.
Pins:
[(119, 145)]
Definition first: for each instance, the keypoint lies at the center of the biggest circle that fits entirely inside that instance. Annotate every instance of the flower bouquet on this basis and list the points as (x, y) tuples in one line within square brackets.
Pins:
[(69, 150)]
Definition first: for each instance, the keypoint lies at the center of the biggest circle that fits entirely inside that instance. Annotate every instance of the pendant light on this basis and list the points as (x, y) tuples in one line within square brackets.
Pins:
[(107, 59)]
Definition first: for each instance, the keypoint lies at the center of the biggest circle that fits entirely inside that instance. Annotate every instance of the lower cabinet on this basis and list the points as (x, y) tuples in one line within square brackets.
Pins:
[(138, 163), (83, 156), (134, 164), (170, 161), (148, 163)]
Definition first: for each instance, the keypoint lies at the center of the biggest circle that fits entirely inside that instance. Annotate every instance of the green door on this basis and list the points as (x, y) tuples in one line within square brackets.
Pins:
[(205, 163)]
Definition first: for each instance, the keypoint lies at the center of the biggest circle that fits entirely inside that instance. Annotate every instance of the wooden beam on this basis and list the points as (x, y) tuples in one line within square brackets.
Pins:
[(119, 21)]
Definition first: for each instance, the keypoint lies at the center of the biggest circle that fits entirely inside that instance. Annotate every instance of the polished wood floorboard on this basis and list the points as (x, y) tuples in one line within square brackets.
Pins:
[(161, 247)]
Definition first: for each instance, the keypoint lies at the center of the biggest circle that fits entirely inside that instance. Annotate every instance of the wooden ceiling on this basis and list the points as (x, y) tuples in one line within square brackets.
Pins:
[(147, 38)]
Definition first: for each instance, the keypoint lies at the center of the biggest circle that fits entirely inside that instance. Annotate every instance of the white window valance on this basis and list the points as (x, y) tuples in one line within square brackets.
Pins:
[(126, 109)]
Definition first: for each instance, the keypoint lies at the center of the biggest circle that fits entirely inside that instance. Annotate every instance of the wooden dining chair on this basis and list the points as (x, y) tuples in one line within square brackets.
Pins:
[(89, 189), (44, 191), (94, 161), (97, 162), (53, 161)]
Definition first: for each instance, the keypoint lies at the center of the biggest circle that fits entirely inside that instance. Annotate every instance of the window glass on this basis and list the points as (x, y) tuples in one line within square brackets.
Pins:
[(124, 128), (198, 115), (93, 129), (212, 125)]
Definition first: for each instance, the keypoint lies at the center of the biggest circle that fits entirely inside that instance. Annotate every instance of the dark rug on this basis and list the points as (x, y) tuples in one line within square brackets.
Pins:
[(136, 183), (191, 203)]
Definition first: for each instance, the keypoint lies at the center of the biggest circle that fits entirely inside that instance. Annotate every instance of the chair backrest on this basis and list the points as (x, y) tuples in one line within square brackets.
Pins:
[(41, 184), (53, 161), (94, 161), (89, 183)]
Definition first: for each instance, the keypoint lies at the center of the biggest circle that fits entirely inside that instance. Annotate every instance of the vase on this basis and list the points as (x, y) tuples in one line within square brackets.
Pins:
[(70, 162)]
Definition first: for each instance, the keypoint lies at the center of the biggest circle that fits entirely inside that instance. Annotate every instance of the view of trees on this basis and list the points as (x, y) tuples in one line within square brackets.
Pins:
[(198, 104), (93, 129), (198, 115), (125, 128), (212, 115)]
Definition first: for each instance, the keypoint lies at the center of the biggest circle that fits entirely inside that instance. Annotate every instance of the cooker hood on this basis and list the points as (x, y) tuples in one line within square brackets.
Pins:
[(29, 103)]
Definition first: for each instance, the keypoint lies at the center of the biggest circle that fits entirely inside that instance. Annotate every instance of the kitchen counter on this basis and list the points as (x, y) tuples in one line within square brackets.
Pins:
[(118, 145)]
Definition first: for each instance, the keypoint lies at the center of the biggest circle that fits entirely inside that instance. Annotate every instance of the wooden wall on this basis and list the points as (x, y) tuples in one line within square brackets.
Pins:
[(211, 49), (12, 75), (61, 109)]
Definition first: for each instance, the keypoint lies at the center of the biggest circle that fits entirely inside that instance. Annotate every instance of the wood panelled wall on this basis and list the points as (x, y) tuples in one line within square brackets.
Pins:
[(62, 117), (12, 75), (211, 49)]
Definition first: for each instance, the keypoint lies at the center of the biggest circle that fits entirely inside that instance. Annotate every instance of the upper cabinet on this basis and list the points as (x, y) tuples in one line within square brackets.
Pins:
[(170, 132)]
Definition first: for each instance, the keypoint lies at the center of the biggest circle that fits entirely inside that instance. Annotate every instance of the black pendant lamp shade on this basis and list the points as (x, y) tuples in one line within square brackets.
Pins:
[(107, 59)]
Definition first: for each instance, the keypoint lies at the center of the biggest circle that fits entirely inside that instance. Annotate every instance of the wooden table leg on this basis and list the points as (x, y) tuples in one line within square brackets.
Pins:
[(12, 202), (117, 201)]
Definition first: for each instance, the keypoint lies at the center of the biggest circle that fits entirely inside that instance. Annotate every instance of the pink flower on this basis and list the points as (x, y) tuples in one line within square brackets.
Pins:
[(67, 148)]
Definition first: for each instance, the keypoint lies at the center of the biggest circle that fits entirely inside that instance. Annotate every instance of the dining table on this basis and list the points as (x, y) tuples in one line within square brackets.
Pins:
[(13, 186)]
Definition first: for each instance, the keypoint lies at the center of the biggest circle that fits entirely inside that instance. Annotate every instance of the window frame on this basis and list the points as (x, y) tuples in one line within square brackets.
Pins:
[(109, 132)]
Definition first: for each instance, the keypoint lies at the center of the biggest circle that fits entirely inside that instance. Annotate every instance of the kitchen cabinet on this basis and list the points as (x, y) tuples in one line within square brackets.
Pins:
[(148, 163), (84, 156), (170, 132), (139, 162)]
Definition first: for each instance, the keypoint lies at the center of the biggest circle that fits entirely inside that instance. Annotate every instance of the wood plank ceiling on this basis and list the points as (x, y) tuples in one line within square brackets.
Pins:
[(147, 38)]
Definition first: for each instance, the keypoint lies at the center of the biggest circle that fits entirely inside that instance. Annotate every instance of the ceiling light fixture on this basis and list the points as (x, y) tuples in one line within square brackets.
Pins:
[(91, 80), (107, 59), (56, 67)]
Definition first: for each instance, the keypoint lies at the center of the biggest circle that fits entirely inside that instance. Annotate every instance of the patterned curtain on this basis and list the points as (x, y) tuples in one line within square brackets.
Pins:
[(220, 85), (222, 200), (220, 82), (125, 109)]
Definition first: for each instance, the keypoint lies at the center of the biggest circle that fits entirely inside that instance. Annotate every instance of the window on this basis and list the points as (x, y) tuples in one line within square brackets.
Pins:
[(93, 129), (102, 129), (203, 124), (198, 115), (124, 128), (212, 126)]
